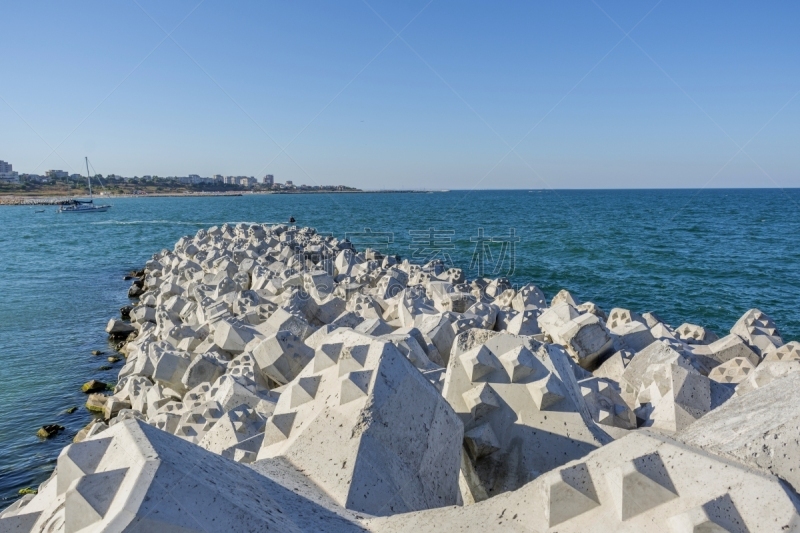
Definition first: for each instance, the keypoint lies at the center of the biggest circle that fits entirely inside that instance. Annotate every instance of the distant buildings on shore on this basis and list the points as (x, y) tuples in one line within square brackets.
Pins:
[(56, 174), (7, 175)]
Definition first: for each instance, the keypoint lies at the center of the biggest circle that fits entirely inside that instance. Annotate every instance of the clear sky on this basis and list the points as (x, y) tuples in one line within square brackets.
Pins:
[(469, 95)]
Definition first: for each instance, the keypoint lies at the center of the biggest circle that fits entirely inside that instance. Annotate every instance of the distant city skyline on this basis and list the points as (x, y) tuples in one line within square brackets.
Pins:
[(60, 173), (9, 175), (416, 95)]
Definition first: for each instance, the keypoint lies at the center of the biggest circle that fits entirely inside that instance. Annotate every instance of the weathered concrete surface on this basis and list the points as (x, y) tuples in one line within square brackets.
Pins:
[(522, 409), (761, 428), (136, 478), (367, 427), (643, 482)]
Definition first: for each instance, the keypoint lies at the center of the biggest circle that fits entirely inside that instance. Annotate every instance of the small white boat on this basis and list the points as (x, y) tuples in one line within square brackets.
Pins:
[(83, 206)]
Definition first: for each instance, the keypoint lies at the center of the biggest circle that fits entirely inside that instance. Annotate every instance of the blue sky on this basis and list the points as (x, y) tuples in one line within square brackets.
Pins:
[(470, 95)]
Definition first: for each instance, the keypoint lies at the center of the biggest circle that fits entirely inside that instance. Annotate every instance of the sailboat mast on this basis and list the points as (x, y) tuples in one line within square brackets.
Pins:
[(88, 177)]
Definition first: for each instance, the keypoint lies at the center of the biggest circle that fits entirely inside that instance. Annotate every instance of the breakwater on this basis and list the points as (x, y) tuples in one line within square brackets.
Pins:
[(260, 343), (34, 200)]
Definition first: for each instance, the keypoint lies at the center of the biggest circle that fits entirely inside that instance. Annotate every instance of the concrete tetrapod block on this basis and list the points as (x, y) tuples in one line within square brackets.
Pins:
[(135, 478), (409, 345), (730, 347), (693, 334), (642, 482), (230, 393), (788, 352), (526, 322), (113, 406), (664, 390), (364, 425), (327, 310), (591, 307), (734, 370), (527, 297), (484, 314), (313, 341), (505, 315), (505, 299), (619, 316), (364, 305), (203, 369), (469, 339), (585, 338), (522, 410), (319, 284), (613, 367), (758, 331), (169, 369), (142, 313), (439, 328), (119, 328), (283, 320), (552, 319), (633, 336), (374, 327), (672, 397), (758, 429), (234, 427), (282, 356), (244, 369), (233, 336), (197, 420), (456, 302), (563, 296), (605, 404), (634, 374), (766, 372), (157, 396)]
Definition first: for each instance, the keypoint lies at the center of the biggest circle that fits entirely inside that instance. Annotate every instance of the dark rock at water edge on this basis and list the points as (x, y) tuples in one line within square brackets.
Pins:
[(93, 386), (50, 430), (137, 289)]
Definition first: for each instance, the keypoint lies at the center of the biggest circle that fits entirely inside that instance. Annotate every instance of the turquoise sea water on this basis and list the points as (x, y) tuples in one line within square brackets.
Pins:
[(699, 256)]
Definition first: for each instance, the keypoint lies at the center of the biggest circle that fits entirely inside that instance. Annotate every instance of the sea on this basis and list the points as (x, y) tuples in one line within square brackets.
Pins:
[(698, 256)]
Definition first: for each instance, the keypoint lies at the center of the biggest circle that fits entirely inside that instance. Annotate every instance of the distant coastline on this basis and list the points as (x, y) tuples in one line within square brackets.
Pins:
[(41, 199)]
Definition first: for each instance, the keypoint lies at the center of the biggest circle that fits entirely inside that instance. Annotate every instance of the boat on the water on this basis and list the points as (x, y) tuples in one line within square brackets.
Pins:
[(83, 206)]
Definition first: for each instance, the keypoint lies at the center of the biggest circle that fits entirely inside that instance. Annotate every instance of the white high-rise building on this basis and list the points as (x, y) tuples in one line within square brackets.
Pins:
[(57, 174), (7, 173), (269, 180)]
